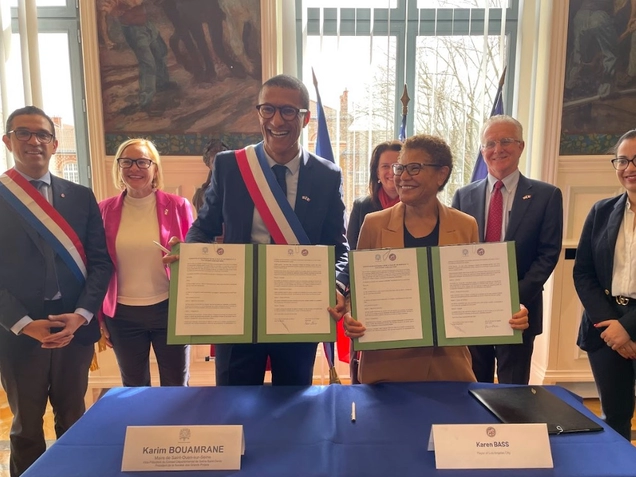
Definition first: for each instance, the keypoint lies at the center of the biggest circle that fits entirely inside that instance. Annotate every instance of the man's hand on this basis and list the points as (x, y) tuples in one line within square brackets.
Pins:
[(628, 350), (519, 320), (41, 329), (353, 328), (70, 323), (337, 311), (614, 335), (168, 259)]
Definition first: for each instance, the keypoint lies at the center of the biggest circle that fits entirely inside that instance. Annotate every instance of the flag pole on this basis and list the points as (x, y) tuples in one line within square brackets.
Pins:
[(405, 109), (324, 150)]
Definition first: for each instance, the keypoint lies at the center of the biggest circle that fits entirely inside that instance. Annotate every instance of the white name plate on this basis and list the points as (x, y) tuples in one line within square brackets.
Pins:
[(149, 448), (491, 446)]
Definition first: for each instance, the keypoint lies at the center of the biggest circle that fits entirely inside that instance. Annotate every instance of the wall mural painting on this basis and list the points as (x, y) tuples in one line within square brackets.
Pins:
[(180, 72), (599, 101)]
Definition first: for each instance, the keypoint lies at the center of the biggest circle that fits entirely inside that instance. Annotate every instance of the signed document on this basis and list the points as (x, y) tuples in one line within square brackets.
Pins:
[(233, 293), (211, 294), (296, 283), (437, 296)]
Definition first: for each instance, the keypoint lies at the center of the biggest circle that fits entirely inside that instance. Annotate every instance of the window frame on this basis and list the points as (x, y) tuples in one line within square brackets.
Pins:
[(406, 23), (66, 19)]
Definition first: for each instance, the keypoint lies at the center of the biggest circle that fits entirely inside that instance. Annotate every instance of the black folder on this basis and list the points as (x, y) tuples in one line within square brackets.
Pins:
[(534, 404)]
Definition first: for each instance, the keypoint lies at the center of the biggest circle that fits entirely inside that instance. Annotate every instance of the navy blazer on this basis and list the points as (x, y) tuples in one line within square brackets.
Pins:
[(535, 225), (593, 269), (22, 264), (361, 207), (319, 206)]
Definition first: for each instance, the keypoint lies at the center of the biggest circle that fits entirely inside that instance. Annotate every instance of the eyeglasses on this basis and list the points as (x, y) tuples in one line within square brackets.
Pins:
[(621, 162), (413, 168), (25, 135), (127, 163), (288, 113), (504, 142)]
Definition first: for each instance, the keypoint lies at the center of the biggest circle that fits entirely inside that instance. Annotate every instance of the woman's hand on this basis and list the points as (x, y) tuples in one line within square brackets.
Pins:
[(519, 320), (168, 259), (106, 335), (353, 328), (614, 335)]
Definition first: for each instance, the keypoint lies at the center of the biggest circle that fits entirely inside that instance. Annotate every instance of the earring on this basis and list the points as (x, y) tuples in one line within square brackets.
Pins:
[(379, 181)]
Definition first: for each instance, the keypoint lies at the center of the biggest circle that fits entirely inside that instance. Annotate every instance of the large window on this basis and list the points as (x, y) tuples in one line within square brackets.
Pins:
[(450, 54), (61, 79)]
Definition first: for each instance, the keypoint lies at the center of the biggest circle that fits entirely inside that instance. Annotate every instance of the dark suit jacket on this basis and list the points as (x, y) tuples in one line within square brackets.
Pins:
[(319, 206), (361, 207), (22, 264), (536, 226), (593, 271)]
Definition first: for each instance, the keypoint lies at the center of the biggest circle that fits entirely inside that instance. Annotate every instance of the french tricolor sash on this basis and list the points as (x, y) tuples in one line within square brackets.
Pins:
[(27, 201), (279, 217)]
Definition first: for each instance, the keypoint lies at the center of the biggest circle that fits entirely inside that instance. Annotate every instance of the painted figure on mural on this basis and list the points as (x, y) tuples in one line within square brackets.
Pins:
[(170, 70), (600, 76)]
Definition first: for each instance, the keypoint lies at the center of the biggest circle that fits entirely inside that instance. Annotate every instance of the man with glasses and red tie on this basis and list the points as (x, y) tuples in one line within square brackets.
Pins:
[(54, 271), (257, 191), (510, 207)]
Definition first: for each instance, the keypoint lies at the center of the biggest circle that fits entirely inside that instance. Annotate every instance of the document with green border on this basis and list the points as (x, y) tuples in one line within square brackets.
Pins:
[(279, 290), (413, 287)]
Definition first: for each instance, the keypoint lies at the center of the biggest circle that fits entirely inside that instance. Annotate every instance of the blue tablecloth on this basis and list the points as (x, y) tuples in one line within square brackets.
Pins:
[(307, 431)]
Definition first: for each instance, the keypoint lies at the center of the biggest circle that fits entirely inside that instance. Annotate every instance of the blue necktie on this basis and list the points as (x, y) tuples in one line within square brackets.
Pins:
[(50, 277), (281, 172)]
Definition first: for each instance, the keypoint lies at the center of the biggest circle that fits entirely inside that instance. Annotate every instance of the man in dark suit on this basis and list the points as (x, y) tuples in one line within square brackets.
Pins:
[(47, 303), (531, 214), (314, 191)]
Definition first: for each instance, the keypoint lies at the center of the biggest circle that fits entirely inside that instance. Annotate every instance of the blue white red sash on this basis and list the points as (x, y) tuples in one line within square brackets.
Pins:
[(27, 201), (279, 217)]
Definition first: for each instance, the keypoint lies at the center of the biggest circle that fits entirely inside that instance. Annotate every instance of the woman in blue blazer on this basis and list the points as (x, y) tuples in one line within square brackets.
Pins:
[(604, 273)]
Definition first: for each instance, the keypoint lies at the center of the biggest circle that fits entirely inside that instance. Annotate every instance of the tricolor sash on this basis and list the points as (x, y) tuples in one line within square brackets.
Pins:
[(27, 201), (279, 217)]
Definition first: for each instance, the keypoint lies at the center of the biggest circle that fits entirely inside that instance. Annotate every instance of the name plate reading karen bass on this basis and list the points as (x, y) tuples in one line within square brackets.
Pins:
[(174, 448), (491, 446)]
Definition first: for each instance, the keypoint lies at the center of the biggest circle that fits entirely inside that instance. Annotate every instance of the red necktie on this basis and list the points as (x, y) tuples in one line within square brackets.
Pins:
[(495, 214)]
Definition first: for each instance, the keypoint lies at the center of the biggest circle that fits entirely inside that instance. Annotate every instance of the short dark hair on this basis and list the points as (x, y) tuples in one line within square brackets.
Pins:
[(628, 135), (211, 149), (288, 82), (29, 111), (435, 147), (374, 185)]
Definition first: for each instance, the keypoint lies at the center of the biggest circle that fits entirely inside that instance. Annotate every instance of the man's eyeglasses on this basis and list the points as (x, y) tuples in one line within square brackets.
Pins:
[(127, 163), (505, 142), (25, 135), (413, 168), (288, 113), (621, 162)]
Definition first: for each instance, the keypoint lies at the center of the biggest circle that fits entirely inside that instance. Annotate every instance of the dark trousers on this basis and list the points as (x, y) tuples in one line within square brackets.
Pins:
[(614, 377), (132, 331), (31, 376), (513, 362), (244, 364)]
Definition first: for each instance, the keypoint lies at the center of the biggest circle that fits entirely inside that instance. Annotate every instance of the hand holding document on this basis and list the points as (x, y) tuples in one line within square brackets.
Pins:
[(233, 293), (438, 296)]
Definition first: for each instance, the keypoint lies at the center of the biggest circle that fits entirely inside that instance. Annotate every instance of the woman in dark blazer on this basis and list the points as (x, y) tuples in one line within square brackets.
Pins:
[(604, 273), (382, 193)]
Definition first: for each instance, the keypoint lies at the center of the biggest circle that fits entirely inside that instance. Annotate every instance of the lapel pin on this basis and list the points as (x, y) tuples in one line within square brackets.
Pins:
[(304, 197), (165, 212), (62, 195), (527, 197)]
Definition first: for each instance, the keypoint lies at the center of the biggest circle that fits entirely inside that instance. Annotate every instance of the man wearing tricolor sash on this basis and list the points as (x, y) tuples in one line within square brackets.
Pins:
[(275, 192), (54, 272)]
